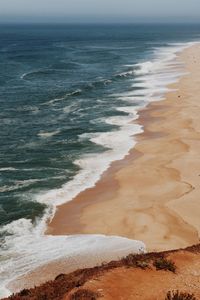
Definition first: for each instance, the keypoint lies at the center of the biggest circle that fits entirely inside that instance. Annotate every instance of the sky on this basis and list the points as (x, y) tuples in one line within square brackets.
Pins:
[(99, 10)]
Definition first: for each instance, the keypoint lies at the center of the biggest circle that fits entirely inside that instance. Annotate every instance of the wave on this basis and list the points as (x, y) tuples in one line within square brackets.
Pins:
[(125, 74), (88, 86), (28, 108), (40, 73), (119, 143), (153, 81), (7, 169), (20, 184), (23, 241), (96, 83), (165, 60), (48, 134), (101, 82), (76, 92), (24, 75), (12, 169)]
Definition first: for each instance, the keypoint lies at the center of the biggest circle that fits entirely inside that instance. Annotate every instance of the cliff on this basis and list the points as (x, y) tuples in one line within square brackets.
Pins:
[(148, 276)]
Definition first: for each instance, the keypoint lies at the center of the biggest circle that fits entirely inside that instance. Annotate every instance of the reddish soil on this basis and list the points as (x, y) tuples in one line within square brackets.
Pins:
[(146, 277)]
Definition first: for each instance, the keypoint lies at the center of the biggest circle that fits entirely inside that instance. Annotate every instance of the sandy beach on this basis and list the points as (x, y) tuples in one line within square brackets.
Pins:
[(153, 194)]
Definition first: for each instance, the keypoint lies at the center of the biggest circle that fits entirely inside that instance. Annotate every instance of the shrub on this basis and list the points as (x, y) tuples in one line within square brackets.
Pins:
[(130, 260), (84, 294), (165, 264), (179, 296), (60, 276), (142, 264), (24, 292)]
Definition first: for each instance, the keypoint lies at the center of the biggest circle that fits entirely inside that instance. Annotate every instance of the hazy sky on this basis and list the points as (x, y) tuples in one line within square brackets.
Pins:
[(99, 10)]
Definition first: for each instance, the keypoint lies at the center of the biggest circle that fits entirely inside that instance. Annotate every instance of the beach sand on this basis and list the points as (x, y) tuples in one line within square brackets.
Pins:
[(153, 194)]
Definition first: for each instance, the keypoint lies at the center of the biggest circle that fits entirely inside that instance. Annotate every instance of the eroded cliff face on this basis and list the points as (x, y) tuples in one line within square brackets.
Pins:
[(149, 276)]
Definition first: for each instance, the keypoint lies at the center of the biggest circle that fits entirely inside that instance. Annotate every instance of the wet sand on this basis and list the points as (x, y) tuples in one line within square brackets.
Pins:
[(153, 194)]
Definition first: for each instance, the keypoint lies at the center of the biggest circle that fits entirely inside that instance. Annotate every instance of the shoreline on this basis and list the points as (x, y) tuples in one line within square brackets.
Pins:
[(162, 218), (128, 199)]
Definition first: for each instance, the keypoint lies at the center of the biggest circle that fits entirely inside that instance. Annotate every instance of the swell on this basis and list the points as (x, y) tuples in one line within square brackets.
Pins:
[(82, 88)]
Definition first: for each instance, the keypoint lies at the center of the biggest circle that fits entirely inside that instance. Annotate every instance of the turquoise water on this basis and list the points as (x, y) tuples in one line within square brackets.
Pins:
[(67, 95)]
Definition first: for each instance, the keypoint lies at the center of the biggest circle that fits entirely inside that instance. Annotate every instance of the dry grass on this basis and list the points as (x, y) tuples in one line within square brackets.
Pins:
[(84, 294), (165, 264), (176, 295)]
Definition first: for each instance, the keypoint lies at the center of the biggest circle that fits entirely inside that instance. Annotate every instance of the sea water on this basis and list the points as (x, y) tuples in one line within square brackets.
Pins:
[(68, 96)]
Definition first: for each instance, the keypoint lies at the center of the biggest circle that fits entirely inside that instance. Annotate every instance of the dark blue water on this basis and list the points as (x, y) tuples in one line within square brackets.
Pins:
[(57, 83)]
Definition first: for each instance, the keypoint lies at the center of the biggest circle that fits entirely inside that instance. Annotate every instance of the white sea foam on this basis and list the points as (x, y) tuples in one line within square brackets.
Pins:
[(151, 78), (118, 142), (7, 169), (11, 169), (52, 101), (43, 134), (21, 248), (18, 184), (22, 255), (125, 74), (23, 75), (30, 73)]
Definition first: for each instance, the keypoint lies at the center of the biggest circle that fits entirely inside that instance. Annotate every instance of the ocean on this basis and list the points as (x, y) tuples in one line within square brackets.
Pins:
[(68, 94)]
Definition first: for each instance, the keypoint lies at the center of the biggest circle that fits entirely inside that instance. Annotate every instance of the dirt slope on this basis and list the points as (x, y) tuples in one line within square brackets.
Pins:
[(148, 277)]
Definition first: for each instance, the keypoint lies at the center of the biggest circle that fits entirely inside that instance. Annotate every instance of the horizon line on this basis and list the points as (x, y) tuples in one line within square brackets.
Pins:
[(136, 22)]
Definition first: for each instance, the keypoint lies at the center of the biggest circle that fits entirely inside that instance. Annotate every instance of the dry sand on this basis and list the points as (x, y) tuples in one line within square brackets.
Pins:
[(153, 194)]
